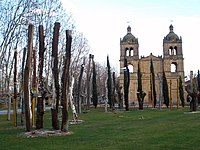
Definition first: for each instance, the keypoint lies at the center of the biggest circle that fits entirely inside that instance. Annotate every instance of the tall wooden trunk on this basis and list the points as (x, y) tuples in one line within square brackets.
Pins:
[(41, 90), (65, 82), (54, 110), (26, 77)]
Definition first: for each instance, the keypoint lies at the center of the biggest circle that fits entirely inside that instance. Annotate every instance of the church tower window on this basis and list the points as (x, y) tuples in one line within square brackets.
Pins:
[(130, 67), (173, 67), (132, 51), (127, 51), (175, 50), (170, 50)]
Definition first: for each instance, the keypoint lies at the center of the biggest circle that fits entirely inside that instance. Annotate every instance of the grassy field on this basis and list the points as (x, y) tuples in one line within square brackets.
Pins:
[(132, 130)]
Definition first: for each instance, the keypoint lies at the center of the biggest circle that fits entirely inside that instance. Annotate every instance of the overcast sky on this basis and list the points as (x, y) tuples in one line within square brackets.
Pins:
[(104, 22)]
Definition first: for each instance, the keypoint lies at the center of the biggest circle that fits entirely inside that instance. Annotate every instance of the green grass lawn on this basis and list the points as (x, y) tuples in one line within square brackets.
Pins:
[(132, 130)]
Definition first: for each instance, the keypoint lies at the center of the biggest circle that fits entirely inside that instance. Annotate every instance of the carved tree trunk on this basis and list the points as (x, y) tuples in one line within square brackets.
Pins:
[(34, 93), (140, 93), (88, 83), (22, 88), (65, 82), (26, 77), (42, 93), (119, 94), (15, 89), (54, 110), (79, 86)]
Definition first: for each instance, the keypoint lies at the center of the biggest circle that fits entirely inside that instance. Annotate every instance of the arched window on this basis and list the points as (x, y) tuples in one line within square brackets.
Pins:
[(175, 50), (170, 50), (130, 67), (127, 51), (132, 51), (173, 67)]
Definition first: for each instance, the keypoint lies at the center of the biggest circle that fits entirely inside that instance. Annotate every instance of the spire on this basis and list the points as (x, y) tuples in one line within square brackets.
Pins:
[(128, 29), (171, 28)]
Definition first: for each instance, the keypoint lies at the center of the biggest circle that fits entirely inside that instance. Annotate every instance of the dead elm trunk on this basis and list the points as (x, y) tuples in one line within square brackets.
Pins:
[(88, 82), (15, 89), (54, 109), (22, 88), (42, 93), (79, 86), (26, 77), (65, 82)]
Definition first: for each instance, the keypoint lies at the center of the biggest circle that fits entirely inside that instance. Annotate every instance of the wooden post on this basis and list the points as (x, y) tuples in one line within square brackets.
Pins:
[(15, 89), (26, 77)]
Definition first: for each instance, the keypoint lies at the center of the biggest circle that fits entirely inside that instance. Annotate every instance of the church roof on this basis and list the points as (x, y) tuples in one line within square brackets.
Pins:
[(129, 37), (151, 56), (171, 36)]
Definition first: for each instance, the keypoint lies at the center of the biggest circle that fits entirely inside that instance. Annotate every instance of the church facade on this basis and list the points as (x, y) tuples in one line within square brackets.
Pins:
[(171, 61)]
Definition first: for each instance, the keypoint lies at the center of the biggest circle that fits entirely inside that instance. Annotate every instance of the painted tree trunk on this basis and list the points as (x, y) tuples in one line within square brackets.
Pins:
[(42, 93), (88, 83), (119, 94), (8, 97), (26, 77), (75, 116), (65, 82), (54, 109), (34, 93), (8, 86), (15, 90), (140, 93), (79, 86), (22, 88), (181, 92)]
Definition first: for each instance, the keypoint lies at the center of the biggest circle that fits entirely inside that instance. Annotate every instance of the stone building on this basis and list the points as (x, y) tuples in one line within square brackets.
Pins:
[(171, 61)]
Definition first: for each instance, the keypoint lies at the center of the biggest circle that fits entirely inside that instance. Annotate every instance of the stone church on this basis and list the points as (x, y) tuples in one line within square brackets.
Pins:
[(171, 61)]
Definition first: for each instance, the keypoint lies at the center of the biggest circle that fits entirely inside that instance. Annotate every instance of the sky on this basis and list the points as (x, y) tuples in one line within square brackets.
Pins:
[(104, 22)]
